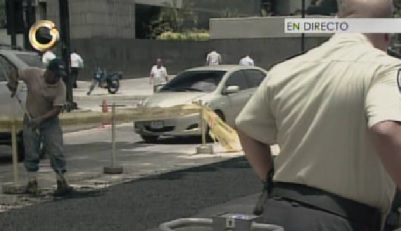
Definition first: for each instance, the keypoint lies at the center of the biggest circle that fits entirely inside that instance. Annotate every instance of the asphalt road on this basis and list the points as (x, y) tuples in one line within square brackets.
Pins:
[(87, 152), (139, 205)]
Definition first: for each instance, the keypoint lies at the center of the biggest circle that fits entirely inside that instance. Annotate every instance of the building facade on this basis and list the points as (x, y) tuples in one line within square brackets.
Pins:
[(117, 18)]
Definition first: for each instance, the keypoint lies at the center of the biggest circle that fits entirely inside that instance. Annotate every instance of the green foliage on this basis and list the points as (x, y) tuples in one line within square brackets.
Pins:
[(323, 7), (192, 36), (397, 4), (173, 19)]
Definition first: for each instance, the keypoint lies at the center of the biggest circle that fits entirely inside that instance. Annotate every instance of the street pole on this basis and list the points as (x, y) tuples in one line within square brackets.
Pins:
[(303, 34), (66, 50), (29, 21), (12, 22)]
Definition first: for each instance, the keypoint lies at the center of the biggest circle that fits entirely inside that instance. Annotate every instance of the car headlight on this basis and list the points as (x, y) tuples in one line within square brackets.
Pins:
[(204, 103)]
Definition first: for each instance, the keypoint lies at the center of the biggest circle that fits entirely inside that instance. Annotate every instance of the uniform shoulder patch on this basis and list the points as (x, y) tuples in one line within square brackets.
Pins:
[(399, 79)]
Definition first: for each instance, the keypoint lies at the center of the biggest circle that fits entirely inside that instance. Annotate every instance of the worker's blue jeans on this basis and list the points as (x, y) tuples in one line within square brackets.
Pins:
[(52, 136)]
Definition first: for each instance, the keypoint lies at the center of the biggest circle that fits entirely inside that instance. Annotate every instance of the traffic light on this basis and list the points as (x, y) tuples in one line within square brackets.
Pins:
[(15, 16)]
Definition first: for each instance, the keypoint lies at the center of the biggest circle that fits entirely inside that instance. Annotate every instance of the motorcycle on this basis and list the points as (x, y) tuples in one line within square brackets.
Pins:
[(111, 82)]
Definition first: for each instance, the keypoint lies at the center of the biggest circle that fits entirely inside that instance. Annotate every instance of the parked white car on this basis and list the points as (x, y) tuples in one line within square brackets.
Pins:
[(14, 60), (223, 88)]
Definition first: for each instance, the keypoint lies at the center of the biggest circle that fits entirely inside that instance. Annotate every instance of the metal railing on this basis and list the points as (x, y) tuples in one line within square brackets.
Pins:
[(206, 222)]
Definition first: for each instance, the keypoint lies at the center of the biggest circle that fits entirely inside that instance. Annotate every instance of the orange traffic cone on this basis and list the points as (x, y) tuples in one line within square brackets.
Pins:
[(105, 109)]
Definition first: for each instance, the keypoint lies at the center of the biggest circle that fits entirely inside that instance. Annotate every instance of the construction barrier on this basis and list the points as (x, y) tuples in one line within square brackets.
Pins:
[(222, 132), (122, 115), (219, 130)]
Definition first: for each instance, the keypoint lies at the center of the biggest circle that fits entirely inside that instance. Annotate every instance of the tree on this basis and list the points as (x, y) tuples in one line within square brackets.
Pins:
[(323, 7), (397, 4), (174, 19)]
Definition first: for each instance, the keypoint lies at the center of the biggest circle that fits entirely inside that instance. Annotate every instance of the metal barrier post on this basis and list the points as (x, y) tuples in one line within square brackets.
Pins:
[(223, 222), (203, 148), (15, 188), (113, 169)]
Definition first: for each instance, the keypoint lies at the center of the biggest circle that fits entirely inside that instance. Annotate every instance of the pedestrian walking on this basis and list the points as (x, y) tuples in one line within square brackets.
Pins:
[(45, 100), (158, 75), (213, 58), (246, 61), (77, 63), (335, 113)]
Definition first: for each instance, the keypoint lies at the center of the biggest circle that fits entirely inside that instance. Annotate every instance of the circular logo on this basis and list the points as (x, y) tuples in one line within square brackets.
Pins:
[(43, 35)]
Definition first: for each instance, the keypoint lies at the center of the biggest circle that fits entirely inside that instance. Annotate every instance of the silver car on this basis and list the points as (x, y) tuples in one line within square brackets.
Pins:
[(223, 88)]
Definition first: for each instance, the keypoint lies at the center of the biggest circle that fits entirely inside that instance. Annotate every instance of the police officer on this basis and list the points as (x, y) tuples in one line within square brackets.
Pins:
[(335, 112)]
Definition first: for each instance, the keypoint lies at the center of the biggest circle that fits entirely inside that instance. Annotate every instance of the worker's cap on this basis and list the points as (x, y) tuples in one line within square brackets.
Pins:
[(56, 66)]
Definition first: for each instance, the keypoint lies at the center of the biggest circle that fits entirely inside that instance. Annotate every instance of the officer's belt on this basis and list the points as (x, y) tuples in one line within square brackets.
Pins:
[(328, 202)]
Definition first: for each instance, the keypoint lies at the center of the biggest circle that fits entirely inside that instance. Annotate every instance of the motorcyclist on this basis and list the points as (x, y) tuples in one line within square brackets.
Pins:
[(98, 77)]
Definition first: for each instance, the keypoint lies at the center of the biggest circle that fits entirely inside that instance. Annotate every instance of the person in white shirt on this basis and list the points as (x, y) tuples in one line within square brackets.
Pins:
[(76, 63), (247, 61), (213, 58), (158, 75), (47, 57)]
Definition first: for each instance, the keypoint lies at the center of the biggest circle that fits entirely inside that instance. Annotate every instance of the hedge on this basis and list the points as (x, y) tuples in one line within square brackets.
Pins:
[(184, 36)]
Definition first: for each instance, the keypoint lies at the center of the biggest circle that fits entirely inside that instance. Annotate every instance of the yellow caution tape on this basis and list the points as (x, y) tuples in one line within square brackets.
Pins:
[(121, 115), (221, 131)]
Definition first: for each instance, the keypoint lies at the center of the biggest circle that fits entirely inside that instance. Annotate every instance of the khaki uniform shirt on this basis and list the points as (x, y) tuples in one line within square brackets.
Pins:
[(318, 108), (41, 97)]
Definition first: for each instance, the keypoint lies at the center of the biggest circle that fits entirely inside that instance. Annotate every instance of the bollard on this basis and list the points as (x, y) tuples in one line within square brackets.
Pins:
[(16, 187), (113, 169), (203, 148)]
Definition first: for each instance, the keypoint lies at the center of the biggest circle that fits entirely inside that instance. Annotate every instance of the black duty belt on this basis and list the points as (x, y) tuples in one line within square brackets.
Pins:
[(328, 202)]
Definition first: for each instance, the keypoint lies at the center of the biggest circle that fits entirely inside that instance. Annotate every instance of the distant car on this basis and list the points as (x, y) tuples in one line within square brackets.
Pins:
[(14, 60), (223, 88)]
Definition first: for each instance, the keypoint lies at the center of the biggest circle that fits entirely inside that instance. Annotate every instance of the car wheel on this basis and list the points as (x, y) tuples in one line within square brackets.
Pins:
[(221, 116), (149, 139)]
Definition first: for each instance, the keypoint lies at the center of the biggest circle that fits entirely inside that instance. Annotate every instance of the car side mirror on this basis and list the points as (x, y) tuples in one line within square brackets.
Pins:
[(231, 90)]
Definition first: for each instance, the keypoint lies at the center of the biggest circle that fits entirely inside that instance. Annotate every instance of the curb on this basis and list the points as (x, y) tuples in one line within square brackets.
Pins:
[(116, 97)]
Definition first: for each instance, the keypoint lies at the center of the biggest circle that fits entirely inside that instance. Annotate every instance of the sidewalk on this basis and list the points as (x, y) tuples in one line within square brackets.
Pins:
[(129, 88), (130, 93)]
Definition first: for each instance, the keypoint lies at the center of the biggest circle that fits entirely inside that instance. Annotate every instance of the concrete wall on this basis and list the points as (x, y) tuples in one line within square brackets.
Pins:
[(206, 9), (6, 39), (173, 3), (98, 18), (135, 57), (287, 7), (243, 7), (253, 27)]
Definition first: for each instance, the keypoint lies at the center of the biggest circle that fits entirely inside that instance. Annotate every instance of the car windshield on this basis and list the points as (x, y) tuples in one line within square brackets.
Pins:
[(31, 60), (201, 81)]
